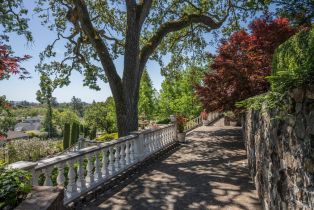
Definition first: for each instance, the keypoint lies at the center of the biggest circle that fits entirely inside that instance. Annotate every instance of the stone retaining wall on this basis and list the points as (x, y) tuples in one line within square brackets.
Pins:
[(280, 149)]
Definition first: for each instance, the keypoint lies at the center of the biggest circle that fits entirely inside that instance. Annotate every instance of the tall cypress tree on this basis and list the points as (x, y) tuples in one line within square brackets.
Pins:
[(146, 103)]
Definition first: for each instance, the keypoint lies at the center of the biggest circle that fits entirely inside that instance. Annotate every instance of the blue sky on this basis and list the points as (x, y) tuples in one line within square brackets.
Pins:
[(17, 90)]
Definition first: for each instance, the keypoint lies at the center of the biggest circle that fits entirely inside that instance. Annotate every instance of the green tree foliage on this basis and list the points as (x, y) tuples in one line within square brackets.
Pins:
[(147, 101), (293, 62), (178, 94), (97, 32), (75, 131), (66, 135), (63, 116), (77, 106), (15, 184), (44, 95), (13, 19), (101, 116), (6, 119), (299, 12)]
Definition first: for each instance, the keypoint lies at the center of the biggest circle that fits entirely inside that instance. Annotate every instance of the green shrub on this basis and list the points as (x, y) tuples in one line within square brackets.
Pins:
[(107, 137), (163, 121), (36, 133), (15, 184), (30, 150), (293, 62), (270, 100)]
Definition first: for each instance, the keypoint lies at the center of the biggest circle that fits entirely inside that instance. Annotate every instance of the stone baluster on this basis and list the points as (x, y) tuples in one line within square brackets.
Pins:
[(104, 168), (122, 155), (47, 173), (97, 174), (117, 158), (36, 175), (132, 158), (154, 136), (150, 143), (80, 182), (127, 153), (60, 177), (89, 168), (158, 140), (162, 139), (71, 188), (165, 137), (111, 161)]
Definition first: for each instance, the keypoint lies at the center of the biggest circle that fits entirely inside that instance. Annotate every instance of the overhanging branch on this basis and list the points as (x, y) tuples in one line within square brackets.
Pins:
[(98, 44), (173, 26)]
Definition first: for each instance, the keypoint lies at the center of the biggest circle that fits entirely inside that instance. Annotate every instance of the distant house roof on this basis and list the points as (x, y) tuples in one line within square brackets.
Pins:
[(28, 124), (16, 135)]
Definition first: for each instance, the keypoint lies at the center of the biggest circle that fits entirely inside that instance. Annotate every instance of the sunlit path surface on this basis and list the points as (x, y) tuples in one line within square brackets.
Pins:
[(209, 172)]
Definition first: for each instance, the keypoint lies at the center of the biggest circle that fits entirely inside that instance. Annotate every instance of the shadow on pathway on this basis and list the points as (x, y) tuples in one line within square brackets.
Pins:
[(209, 172)]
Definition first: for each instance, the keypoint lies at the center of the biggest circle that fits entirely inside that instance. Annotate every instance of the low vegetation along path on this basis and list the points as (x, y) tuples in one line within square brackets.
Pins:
[(208, 172)]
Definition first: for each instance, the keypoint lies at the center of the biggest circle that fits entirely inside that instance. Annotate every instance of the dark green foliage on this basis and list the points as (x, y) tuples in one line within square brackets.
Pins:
[(14, 186), (164, 121), (293, 62), (81, 129), (75, 129), (86, 131), (66, 136), (92, 134)]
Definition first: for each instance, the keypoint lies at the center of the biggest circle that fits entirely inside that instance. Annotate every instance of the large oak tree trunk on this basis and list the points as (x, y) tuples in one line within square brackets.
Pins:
[(126, 111), (127, 118)]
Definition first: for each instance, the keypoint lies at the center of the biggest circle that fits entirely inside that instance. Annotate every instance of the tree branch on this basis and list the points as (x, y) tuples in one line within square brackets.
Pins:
[(173, 26), (144, 10), (99, 45)]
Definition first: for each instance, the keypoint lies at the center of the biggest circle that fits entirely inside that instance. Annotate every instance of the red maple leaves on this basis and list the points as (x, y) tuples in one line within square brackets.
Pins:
[(242, 63), (10, 64)]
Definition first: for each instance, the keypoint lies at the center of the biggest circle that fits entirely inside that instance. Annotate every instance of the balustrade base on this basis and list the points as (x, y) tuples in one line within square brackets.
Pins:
[(117, 180)]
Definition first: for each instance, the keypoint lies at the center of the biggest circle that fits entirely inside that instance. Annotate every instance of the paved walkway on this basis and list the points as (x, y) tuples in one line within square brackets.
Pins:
[(209, 172)]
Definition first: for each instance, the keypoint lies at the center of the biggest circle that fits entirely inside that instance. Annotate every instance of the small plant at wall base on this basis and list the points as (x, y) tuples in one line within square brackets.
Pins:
[(204, 116), (15, 184), (181, 121)]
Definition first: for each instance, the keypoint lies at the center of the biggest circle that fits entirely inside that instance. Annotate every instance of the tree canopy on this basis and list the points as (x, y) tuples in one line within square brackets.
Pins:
[(243, 62), (101, 116), (299, 12), (77, 106), (177, 94), (98, 32)]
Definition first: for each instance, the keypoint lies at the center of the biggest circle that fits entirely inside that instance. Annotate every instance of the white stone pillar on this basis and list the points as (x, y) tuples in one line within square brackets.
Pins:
[(173, 119), (139, 153)]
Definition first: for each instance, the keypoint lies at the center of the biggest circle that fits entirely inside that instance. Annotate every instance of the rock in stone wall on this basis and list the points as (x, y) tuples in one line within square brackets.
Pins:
[(280, 150)]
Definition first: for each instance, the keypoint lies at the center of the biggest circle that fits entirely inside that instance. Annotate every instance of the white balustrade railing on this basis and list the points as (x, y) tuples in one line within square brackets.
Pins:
[(83, 170), (191, 124)]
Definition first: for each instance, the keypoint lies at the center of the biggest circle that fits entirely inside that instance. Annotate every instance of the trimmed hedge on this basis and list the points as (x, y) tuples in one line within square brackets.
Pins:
[(293, 62)]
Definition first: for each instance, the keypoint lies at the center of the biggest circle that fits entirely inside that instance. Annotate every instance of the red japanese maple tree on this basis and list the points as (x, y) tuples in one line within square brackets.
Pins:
[(242, 63), (10, 64)]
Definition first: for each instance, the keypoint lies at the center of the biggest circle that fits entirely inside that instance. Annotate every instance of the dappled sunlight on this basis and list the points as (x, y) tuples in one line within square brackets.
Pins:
[(209, 172)]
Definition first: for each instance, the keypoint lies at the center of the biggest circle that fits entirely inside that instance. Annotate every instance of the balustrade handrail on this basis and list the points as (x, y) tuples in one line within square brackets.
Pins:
[(195, 122), (104, 161)]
